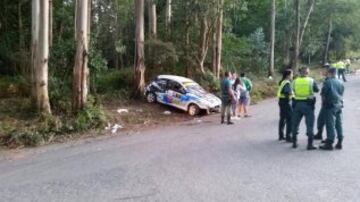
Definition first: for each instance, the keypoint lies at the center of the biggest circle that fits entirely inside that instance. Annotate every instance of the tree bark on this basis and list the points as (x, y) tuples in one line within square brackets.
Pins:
[(152, 18), (41, 55), (203, 47), (35, 23), (272, 39), (297, 36), (168, 15), (306, 21), (217, 47), (328, 41), (139, 66), (81, 70), (51, 20)]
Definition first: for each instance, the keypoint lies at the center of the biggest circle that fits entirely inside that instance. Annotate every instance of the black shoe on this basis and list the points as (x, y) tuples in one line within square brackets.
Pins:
[(288, 139), (295, 145), (310, 145), (281, 138), (222, 120), (230, 123), (327, 147), (318, 136), (339, 145)]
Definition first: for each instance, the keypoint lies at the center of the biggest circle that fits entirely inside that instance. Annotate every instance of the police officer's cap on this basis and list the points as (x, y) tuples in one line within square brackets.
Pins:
[(332, 70), (326, 65)]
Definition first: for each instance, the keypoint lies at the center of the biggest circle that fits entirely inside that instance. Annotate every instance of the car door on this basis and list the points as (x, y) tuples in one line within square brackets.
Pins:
[(161, 90), (175, 91)]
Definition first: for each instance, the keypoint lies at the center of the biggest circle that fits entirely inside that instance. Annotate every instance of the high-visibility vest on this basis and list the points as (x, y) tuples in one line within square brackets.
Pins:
[(303, 88), (281, 87), (339, 65)]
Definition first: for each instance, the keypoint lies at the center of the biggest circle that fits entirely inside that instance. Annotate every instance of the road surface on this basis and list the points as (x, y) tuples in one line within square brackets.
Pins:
[(194, 161)]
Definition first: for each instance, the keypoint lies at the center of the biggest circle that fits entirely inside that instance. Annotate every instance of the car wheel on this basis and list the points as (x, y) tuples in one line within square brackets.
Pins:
[(193, 110), (151, 98)]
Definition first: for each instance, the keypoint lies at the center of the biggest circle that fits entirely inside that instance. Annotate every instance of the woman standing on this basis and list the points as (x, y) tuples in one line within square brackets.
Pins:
[(238, 89), (285, 94)]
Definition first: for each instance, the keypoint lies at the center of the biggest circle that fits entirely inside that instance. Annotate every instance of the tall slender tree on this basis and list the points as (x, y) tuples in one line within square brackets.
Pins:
[(217, 46), (297, 36), (168, 15), (139, 66), (152, 18), (40, 55), (81, 70), (272, 38)]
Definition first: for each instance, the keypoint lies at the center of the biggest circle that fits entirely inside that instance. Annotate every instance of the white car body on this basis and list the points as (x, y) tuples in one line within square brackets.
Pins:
[(181, 92)]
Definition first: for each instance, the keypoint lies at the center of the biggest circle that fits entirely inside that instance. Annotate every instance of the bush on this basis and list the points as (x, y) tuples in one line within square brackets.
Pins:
[(161, 57), (91, 117), (14, 87)]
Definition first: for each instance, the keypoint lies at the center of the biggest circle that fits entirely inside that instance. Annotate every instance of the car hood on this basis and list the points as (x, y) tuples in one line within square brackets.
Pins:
[(206, 98)]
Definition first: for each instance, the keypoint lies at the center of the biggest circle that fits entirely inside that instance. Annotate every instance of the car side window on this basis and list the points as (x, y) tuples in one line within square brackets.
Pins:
[(161, 83), (172, 85)]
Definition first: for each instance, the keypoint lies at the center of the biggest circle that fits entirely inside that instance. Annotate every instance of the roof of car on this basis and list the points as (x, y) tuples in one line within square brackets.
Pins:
[(179, 79)]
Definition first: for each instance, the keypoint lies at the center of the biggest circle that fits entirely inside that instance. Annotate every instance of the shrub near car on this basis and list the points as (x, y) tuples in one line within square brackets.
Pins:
[(182, 93)]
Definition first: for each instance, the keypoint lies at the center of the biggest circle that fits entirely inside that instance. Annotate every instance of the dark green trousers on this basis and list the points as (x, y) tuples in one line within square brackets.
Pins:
[(302, 109), (334, 124), (321, 120), (285, 118)]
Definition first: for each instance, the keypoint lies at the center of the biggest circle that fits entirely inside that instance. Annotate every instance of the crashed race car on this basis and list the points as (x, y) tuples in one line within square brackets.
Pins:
[(182, 93)]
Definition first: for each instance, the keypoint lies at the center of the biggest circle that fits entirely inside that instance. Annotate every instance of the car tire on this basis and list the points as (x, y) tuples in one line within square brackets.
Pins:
[(151, 97), (193, 110)]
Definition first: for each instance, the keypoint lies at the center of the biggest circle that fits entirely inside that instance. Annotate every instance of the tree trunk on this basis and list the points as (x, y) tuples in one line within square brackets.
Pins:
[(81, 70), (328, 41), (139, 66), (168, 15), (41, 55), (51, 23), (35, 23), (217, 47), (152, 18), (306, 22), (272, 39), (297, 37), (287, 42), (203, 48)]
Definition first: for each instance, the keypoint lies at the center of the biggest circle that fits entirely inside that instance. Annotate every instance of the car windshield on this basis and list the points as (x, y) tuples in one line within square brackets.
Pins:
[(195, 88)]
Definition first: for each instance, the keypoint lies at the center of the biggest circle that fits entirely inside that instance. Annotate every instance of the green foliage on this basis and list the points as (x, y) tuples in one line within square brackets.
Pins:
[(91, 117), (161, 57)]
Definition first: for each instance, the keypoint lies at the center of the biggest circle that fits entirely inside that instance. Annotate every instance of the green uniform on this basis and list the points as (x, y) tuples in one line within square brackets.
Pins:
[(321, 121), (332, 94), (304, 105), (226, 99), (284, 94)]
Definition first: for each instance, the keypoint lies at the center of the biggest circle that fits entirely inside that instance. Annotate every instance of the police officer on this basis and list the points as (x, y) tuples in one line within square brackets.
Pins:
[(304, 105), (332, 96), (285, 94), (340, 66), (321, 117)]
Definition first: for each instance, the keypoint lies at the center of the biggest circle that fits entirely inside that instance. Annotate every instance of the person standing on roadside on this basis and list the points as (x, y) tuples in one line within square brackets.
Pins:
[(340, 66), (245, 98), (234, 103), (227, 97), (304, 105), (238, 90), (321, 117), (285, 94), (332, 95)]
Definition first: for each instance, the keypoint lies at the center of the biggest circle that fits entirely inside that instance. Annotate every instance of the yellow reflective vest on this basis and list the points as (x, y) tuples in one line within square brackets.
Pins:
[(303, 88), (281, 87)]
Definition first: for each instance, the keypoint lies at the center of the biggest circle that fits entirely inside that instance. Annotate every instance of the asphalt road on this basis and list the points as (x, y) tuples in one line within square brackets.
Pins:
[(193, 161)]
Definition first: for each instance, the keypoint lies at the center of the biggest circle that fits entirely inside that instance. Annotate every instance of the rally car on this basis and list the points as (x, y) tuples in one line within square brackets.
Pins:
[(182, 93)]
